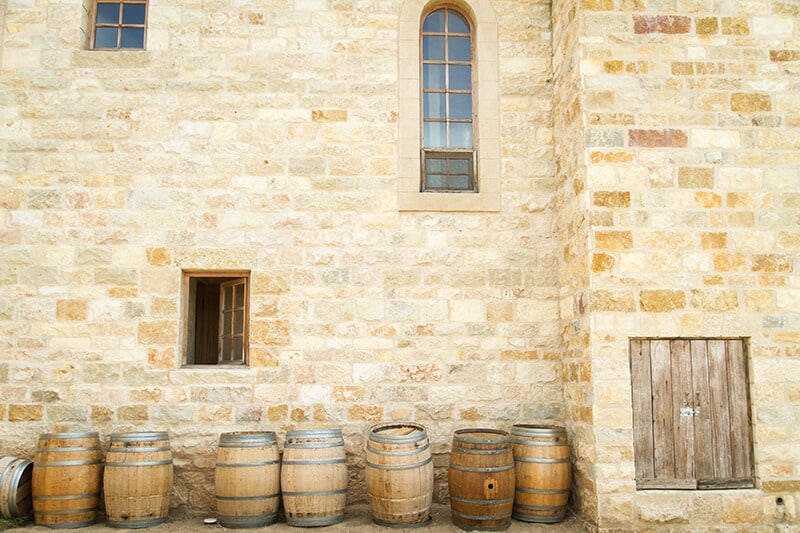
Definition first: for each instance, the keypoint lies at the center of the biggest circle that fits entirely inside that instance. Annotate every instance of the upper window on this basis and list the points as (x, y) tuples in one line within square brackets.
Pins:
[(216, 310), (449, 107), (447, 119), (119, 25)]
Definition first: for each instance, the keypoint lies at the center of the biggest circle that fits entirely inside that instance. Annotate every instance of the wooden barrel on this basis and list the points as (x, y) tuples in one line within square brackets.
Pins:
[(543, 473), (138, 479), (247, 479), (314, 477), (399, 475), (481, 479), (15, 487), (67, 472)]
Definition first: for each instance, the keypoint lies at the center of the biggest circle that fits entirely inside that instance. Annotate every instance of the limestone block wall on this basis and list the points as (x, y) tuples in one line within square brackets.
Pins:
[(573, 230), (692, 177), (262, 136)]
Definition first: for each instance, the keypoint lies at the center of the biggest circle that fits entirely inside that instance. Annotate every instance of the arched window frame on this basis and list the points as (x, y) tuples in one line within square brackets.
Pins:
[(486, 110)]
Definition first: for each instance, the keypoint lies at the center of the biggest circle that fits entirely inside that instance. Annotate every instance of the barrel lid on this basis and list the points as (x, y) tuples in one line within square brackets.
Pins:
[(267, 437), (313, 433), (398, 432), (144, 436), (481, 435), (534, 430)]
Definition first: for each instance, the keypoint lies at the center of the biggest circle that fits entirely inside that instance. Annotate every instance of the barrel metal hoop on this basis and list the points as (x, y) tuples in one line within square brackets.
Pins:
[(403, 525), (313, 434), (400, 467), (398, 452), (419, 433), (542, 491), (474, 517), (66, 511), (261, 463), (74, 449), (331, 444), (142, 463), (471, 451), (67, 497), (38, 464), (541, 460), (260, 444), (139, 450), (484, 469), (136, 524), (315, 492), (311, 522), (248, 498), (316, 462), (483, 502), (539, 507), (73, 525), (140, 437), (18, 466), (78, 435), (551, 443)]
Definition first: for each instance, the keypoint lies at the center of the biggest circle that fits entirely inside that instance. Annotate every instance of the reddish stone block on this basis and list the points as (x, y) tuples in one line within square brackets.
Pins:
[(661, 24)]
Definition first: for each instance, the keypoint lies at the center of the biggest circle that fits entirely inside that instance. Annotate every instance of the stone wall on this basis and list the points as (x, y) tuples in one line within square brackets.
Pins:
[(693, 177), (263, 137)]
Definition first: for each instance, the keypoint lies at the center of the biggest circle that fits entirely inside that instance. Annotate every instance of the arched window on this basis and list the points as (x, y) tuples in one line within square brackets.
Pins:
[(448, 155), (449, 106)]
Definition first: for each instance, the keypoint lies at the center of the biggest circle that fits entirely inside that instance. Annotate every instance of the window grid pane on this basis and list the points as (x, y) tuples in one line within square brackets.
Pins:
[(447, 70), (448, 171), (120, 25)]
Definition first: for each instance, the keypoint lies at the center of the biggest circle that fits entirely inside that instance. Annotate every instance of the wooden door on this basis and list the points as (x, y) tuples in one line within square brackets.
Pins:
[(691, 416)]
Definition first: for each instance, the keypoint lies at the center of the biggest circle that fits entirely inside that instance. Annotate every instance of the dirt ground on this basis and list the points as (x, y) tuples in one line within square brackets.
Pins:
[(357, 519)]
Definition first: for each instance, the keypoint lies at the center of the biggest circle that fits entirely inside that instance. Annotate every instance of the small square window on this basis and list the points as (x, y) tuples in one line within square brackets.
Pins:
[(448, 171), (217, 319), (120, 25)]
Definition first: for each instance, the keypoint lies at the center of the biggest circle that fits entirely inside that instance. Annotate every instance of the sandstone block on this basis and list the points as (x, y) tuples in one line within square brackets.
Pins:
[(661, 301)]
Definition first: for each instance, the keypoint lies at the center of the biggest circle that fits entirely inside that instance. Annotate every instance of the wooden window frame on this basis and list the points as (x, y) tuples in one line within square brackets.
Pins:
[(119, 26), (194, 319), (447, 152), (691, 413)]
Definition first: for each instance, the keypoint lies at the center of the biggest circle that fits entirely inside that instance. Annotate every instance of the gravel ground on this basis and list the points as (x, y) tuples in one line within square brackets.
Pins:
[(357, 519)]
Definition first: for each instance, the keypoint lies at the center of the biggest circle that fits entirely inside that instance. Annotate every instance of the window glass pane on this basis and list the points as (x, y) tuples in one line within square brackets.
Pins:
[(456, 23), (434, 135), (459, 49), (226, 323), (459, 166), (227, 297), (238, 349), (133, 14), (460, 77), (226, 348), (434, 105), (461, 135), (436, 181), (433, 77), (132, 38), (238, 322), (459, 182), (433, 48), (461, 106), (105, 38), (239, 289), (434, 22), (108, 14), (433, 164)]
